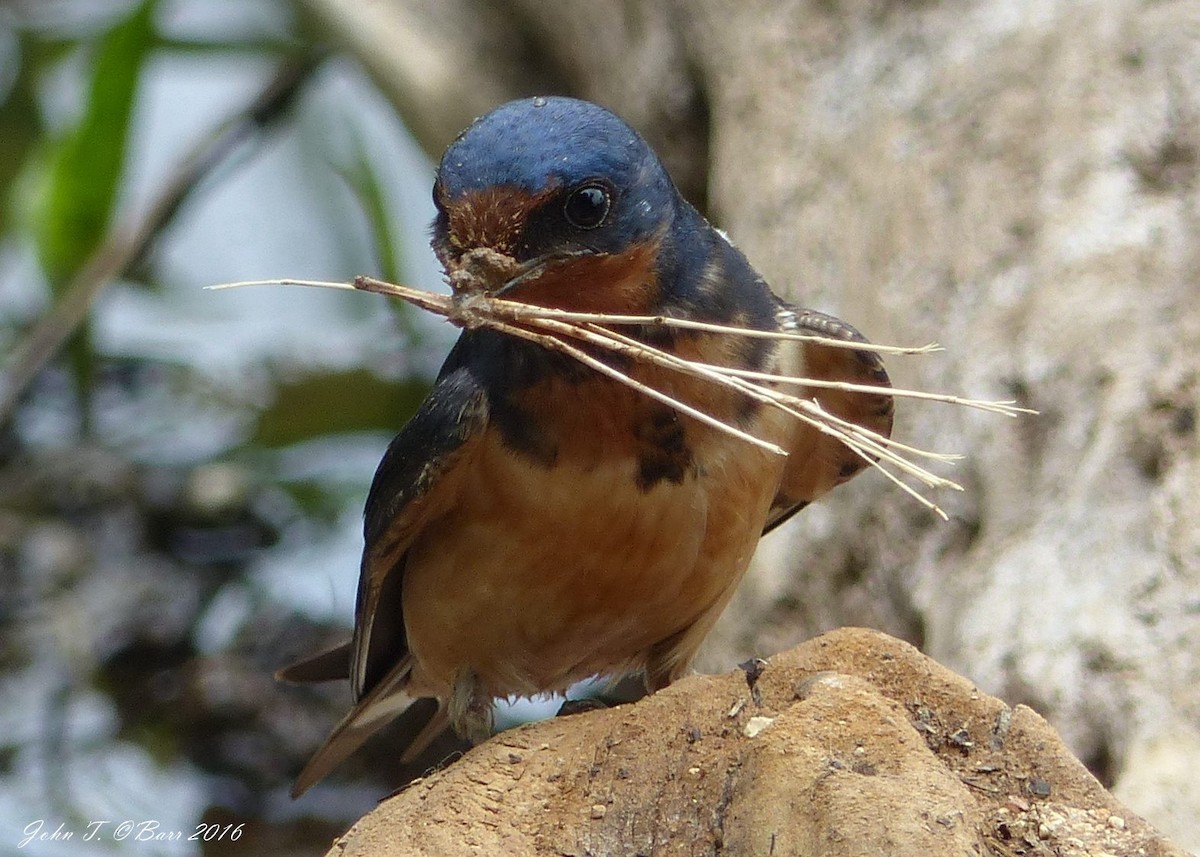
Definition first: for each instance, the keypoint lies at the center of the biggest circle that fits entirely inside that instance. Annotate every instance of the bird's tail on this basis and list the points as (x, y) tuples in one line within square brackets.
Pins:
[(386, 701)]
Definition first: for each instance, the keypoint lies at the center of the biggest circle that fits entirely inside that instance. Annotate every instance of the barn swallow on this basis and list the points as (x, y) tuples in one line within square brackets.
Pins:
[(537, 523)]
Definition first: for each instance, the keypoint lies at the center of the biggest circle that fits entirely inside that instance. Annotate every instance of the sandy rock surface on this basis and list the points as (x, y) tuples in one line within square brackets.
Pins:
[(853, 743)]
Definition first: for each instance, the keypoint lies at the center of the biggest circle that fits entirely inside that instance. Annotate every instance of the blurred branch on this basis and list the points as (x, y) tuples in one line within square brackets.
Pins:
[(443, 62), (127, 246), (440, 63)]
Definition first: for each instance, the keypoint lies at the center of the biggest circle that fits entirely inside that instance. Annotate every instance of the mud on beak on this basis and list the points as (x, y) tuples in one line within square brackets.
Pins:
[(482, 270)]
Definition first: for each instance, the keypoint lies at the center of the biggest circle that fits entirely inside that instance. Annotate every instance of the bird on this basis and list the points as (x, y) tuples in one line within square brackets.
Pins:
[(536, 522)]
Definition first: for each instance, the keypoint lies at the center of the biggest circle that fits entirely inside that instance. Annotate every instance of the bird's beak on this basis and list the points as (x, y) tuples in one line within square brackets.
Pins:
[(534, 268), (482, 270)]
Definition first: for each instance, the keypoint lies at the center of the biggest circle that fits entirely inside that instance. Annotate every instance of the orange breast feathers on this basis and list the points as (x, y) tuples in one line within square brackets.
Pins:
[(542, 576)]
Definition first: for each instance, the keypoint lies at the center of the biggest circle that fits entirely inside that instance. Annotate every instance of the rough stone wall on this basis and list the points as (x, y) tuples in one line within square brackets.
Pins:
[(1017, 180)]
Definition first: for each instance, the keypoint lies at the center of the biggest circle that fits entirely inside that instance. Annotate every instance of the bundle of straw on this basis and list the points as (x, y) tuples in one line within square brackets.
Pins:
[(474, 304)]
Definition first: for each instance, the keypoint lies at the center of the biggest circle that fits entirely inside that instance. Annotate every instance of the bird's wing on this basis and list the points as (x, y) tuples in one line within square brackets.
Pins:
[(416, 482), (816, 461)]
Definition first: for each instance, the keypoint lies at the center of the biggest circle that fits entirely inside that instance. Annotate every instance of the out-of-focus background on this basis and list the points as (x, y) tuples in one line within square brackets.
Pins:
[(181, 482), (182, 471)]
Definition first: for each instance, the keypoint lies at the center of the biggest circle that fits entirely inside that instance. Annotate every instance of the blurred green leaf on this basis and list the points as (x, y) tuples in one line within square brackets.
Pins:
[(319, 405), (363, 181), (371, 192), (20, 127), (85, 166)]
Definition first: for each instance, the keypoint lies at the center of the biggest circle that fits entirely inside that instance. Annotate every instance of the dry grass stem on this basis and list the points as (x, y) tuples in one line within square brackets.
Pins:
[(1005, 408), (555, 344), (551, 329)]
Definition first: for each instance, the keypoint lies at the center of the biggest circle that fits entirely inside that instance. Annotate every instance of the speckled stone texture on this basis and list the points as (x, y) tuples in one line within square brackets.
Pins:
[(853, 743)]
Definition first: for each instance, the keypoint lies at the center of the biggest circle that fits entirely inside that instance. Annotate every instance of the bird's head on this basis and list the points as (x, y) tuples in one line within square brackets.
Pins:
[(556, 202)]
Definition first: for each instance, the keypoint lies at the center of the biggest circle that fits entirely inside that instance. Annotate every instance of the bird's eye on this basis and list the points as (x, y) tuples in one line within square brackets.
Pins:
[(587, 206)]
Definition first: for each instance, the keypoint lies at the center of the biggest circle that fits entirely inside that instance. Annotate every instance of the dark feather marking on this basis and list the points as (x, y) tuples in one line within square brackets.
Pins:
[(506, 368), (523, 434), (663, 451)]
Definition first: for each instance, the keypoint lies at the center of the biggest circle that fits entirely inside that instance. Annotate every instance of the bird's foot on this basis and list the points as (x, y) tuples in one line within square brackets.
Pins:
[(578, 706), (470, 709)]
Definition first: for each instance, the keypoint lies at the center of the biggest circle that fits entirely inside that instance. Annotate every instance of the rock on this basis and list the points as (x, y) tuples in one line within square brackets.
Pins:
[(861, 746)]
